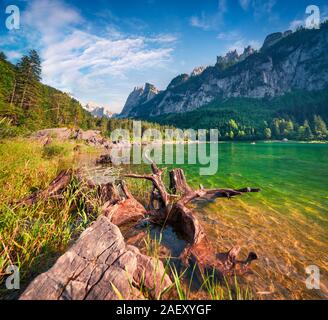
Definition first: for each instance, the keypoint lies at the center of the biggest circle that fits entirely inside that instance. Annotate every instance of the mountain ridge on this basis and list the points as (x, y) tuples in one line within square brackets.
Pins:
[(286, 62)]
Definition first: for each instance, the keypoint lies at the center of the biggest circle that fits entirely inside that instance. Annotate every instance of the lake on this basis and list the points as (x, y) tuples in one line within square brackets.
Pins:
[(286, 224)]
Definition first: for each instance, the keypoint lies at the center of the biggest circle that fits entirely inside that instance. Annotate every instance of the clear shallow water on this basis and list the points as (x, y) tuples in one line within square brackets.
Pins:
[(286, 224)]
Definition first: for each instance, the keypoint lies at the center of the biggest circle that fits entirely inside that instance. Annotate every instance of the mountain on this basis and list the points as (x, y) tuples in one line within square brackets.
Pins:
[(139, 96), (98, 111), (287, 62)]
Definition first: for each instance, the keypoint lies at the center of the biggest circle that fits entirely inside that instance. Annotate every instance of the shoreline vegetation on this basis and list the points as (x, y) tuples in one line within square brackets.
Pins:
[(34, 237), (27, 105)]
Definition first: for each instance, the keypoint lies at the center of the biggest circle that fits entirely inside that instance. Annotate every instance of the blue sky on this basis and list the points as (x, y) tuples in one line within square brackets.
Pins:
[(100, 50)]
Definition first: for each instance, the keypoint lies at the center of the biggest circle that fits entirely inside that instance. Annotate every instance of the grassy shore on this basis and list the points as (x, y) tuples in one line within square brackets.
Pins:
[(32, 238)]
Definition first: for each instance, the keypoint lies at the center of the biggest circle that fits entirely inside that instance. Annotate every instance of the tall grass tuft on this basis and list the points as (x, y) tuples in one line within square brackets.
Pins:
[(33, 237)]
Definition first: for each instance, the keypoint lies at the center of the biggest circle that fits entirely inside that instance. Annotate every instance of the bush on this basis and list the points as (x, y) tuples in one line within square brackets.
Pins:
[(52, 151), (6, 129)]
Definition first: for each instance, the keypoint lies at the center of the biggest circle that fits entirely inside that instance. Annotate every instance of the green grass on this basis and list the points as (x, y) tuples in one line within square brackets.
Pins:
[(183, 281), (32, 238)]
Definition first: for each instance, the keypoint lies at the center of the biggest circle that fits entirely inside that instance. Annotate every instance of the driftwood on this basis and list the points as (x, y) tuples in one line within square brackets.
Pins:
[(121, 210), (186, 223), (105, 159), (100, 263), (100, 266), (54, 190)]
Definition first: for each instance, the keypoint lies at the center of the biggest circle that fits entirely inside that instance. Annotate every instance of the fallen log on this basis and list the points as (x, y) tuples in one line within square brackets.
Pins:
[(100, 266), (54, 190), (120, 209)]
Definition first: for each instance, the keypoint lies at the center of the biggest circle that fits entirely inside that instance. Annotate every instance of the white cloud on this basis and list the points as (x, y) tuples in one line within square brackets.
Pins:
[(210, 21), (295, 24), (259, 8), (201, 22), (244, 4), (228, 36), (90, 64)]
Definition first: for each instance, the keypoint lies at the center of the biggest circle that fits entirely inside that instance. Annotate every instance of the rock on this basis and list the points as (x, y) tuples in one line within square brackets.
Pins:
[(178, 80), (248, 51), (272, 39), (90, 137), (197, 71), (139, 96), (150, 272), (98, 267), (56, 133)]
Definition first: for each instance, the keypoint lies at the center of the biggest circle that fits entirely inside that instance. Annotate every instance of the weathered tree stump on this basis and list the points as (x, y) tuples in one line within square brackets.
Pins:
[(122, 210), (186, 223), (100, 266)]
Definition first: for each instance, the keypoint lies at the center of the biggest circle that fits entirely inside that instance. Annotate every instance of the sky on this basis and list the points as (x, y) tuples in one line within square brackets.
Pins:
[(99, 50)]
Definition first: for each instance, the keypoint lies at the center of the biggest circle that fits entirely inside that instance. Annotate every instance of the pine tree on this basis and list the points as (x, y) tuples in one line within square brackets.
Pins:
[(308, 135), (320, 127), (28, 81), (2, 56)]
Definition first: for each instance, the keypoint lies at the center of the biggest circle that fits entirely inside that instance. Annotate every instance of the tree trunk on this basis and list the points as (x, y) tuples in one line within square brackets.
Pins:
[(100, 266)]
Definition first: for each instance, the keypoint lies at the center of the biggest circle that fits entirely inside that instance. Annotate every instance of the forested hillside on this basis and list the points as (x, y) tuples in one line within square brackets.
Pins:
[(27, 105), (299, 116)]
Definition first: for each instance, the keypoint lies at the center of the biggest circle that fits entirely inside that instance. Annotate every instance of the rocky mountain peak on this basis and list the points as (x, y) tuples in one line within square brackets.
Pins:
[(230, 58), (274, 38), (197, 71), (247, 52), (178, 80), (233, 57), (139, 96), (98, 111), (150, 90)]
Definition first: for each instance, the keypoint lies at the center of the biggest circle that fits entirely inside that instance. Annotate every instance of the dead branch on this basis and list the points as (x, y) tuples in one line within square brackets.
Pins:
[(54, 190), (186, 222)]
